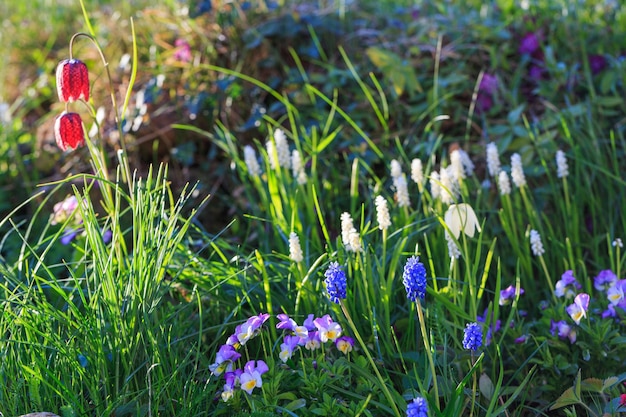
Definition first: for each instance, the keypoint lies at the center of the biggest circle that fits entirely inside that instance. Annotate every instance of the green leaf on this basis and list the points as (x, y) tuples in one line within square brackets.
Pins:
[(592, 385), (609, 101), (577, 385), (515, 115), (609, 382), (296, 404), (400, 73), (486, 386), (382, 58), (567, 398)]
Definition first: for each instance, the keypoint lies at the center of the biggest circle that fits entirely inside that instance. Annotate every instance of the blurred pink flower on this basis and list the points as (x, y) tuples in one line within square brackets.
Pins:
[(183, 50)]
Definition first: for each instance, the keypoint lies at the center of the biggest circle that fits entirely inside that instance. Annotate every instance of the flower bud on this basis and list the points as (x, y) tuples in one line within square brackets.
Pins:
[(68, 131), (72, 80)]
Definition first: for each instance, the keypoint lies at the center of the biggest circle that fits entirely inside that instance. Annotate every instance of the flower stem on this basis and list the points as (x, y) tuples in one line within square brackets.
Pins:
[(429, 353), (383, 384)]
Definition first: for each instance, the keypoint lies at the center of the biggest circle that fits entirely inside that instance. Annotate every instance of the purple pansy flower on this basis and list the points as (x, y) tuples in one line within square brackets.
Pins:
[(579, 308), (604, 280), (567, 285)]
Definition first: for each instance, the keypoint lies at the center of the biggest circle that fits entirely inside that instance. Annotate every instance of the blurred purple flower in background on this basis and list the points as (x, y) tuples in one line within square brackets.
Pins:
[(529, 44), (507, 295), (486, 90), (597, 63), (563, 330)]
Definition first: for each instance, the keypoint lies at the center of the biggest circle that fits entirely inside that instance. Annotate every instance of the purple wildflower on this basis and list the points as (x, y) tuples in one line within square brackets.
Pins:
[(247, 330), (508, 294), (288, 347), (251, 376), (224, 359), (604, 280), (563, 330), (567, 285), (616, 293), (609, 312), (344, 344), (68, 235), (286, 323), (491, 329), (309, 322), (327, 328), (313, 341), (579, 308), (231, 378)]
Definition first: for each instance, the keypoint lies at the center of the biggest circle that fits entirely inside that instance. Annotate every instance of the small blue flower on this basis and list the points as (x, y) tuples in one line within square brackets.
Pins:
[(417, 408), (473, 338), (335, 282), (414, 279)]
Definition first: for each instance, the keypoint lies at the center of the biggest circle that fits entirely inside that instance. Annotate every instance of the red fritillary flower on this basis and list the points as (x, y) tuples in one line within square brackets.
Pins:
[(72, 80), (68, 131)]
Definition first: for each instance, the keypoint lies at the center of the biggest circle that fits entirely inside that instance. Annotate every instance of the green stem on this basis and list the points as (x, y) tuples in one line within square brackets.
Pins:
[(473, 385), (429, 353), (383, 384), (547, 274)]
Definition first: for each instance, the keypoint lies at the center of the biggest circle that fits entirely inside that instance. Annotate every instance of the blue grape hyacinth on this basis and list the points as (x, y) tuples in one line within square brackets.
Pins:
[(473, 338), (417, 408), (414, 279), (335, 282)]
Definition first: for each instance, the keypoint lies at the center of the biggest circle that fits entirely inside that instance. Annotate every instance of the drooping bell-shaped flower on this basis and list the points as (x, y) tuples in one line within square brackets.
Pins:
[(69, 131), (72, 81)]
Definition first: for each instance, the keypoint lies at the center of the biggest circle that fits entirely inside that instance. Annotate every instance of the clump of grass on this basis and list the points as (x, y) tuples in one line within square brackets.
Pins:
[(517, 285)]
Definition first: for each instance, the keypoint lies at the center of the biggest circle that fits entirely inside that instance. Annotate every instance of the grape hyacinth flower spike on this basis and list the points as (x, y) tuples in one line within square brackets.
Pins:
[(336, 282), (473, 337), (414, 279), (417, 408)]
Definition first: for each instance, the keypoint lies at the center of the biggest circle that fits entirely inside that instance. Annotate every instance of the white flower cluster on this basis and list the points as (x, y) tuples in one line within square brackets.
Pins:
[(417, 172), (349, 236), (535, 243), (278, 151), (297, 168), (493, 159), (382, 213), (249, 157), (562, 170), (400, 184), (517, 171), (295, 250), (503, 183)]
